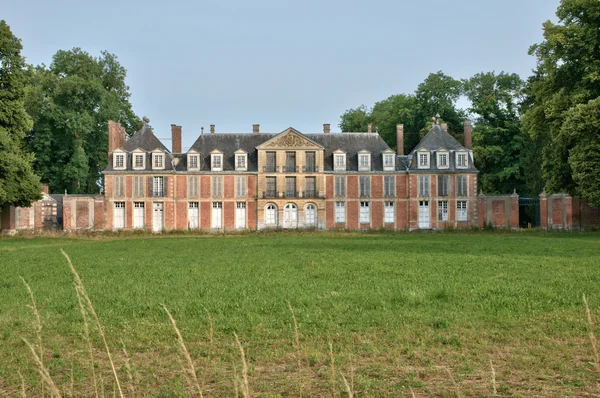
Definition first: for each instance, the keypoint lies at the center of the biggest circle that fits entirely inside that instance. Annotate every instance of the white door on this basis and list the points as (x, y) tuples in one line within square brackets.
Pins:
[(310, 215), (193, 215), (290, 216), (217, 215), (119, 215), (240, 215), (138, 215), (271, 215), (158, 218), (424, 214)]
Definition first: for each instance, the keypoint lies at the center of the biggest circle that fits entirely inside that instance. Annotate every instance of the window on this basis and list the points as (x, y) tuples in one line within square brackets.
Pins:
[(290, 187), (310, 188), (442, 186), (158, 161), (193, 191), (365, 214), (119, 186), (271, 214), (364, 162), (240, 186), (423, 160), (340, 212), (423, 185), (461, 210), (388, 212), (389, 186), (310, 215), (271, 162), (290, 162), (193, 215), (442, 160), (388, 162), (461, 186), (461, 160), (193, 162), (139, 160), (365, 186), (339, 162), (119, 161), (443, 210), (310, 164), (138, 215), (138, 187), (271, 185), (216, 162), (217, 215), (340, 187), (240, 162), (217, 187), (158, 186)]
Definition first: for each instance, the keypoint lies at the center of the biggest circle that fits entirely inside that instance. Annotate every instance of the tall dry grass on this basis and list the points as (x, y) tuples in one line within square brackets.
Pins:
[(38, 326), (245, 385), (592, 336), (298, 351)]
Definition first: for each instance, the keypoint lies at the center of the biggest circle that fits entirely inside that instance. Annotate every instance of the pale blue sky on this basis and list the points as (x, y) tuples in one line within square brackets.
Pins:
[(279, 63)]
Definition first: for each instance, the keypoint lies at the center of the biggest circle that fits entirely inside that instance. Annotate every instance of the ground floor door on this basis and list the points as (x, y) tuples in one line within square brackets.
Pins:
[(424, 214), (240, 215), (158, 218), (119, 215), (138, 215), (217, 215), (310, 216), (290, 216), (193, 215)]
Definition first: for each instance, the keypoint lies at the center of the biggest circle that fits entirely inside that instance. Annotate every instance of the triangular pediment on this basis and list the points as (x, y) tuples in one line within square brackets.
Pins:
[(290, 138)]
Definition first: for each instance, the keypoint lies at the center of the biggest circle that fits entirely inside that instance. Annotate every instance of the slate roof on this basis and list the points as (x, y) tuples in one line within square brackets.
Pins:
[(144, 139), (438, 138)]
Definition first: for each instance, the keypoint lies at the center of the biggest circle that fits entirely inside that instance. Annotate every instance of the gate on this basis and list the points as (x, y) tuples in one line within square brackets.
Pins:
[(529, 212)]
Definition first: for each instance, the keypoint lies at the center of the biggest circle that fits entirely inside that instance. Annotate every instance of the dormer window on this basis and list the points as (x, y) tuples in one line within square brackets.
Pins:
[(339, 161), (461, 160), (216, 161), (389, 161), (139, 159), (443, 160), (192, 162), (423, 158), (241, 160), (158, 160), (119, 161), (364, 161)]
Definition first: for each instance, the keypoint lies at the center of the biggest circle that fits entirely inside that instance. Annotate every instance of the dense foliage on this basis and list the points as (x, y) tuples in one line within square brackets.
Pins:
[(18, 184), (71, 102)]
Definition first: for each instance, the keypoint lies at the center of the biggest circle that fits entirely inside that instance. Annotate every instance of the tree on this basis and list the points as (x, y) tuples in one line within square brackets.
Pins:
[(19, 186), (567, 76), (355, 120), (499, 144), (71, 102)]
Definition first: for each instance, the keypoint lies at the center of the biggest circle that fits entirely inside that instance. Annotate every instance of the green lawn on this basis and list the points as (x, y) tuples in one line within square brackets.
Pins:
[(425, 312)]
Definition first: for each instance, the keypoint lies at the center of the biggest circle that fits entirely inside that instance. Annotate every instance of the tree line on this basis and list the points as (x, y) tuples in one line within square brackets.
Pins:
[(533, 134)]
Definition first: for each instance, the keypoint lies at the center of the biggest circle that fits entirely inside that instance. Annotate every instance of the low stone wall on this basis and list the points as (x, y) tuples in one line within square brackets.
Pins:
[(562, 211), (499, 211), (40, 215), (83, 212)]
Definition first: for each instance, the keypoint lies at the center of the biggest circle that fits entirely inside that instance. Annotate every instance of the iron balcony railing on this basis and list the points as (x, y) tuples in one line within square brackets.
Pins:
[(270, 194), (291, 194), (310, 194)]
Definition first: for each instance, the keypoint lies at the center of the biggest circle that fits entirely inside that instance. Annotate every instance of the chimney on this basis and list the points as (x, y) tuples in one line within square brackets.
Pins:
[(45, 189), (369, 128), (255, 128), (175, 138), (114, 136), (212, 128), (468, 137), (400, 139), (326, 128), (122, 136), (445, 126)]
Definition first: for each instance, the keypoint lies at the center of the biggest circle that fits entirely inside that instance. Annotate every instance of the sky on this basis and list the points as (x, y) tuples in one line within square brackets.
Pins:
[(279, 63)]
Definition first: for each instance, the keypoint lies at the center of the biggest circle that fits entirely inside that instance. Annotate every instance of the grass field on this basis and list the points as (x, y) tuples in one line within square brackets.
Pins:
[(434, 314)]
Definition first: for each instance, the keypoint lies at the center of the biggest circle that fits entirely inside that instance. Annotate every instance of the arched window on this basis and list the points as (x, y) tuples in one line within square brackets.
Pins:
[(271, 214), (310, 215)]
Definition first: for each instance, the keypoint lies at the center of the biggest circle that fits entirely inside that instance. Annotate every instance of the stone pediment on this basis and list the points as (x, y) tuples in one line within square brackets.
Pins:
[(290, 138)]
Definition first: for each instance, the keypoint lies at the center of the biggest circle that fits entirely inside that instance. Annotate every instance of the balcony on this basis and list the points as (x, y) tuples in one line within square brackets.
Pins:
[(310, 169), (311, 194), (270, 194), (289, 169), (291, 194), (269, 169)]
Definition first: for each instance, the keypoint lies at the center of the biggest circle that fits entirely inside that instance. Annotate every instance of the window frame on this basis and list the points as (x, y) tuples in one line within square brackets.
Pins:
[(135, 154), (193, 155), (364, 213), (423, 155), (364, 190), (216, 181), (241, 154), (155, 156), (439, 155), (362, 155), (459, 191), (271, 214), (214, 155), (119, 155), (336, 191), (442, 210), (341, 155), (387, 219), (458, 155), (340, 206), (462, 212), (155, 180), (241, 186), (389, 155), (424, 181), (391, 192)]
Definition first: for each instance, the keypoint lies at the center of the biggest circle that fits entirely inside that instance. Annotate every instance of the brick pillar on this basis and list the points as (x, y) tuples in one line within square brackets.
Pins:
[(212, 128), (255, 128), (468, 137), (175, 138), (326, 128), (114, 132), (514, 210), (543, 210)]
